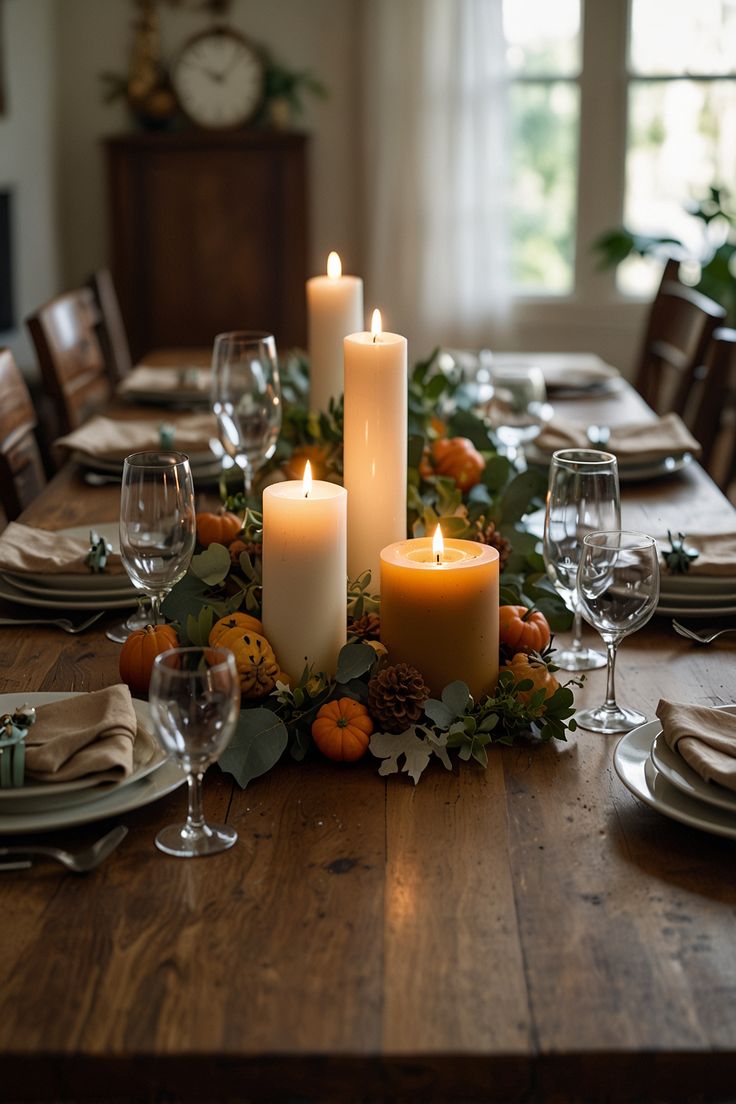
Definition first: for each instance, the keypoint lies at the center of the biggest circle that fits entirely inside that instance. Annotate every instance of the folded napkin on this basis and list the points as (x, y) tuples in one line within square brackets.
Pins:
[(656, 440), (24, 551), (166, 381), (110, 439), (716, 555), (705, 738), (87, 735)]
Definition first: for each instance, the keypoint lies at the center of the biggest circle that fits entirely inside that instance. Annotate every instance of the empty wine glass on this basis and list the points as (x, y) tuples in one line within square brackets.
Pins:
[(582, 497), (157, 522), (195, 700), (517, 408), (618, 587), (246, 399)]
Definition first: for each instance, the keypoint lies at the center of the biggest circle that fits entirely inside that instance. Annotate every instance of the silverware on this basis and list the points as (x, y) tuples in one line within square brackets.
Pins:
[(64, 623), (700, 636), (78, 861), (97, 479)]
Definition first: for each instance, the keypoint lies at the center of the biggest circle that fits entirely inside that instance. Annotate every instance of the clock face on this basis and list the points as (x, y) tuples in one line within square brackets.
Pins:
[(219, 79)]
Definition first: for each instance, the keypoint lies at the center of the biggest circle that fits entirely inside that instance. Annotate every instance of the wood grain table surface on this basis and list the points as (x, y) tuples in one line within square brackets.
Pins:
[(527, 932)]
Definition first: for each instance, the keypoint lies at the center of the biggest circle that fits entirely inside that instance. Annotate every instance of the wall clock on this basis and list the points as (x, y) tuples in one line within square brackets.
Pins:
[(219, 79)]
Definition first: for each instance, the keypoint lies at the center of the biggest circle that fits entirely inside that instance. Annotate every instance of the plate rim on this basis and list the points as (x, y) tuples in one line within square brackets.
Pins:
[(707, 796)]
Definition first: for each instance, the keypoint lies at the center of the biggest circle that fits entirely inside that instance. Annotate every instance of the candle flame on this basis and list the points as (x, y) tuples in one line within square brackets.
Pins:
[(334, 266), (307, 480), (376, 323), (438, 545)]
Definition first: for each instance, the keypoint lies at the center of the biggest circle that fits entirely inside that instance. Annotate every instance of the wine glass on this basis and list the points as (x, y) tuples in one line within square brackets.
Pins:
[(582, 496), (195, 700), (517, 407), (157, 522), (618, 587), (246, 399)]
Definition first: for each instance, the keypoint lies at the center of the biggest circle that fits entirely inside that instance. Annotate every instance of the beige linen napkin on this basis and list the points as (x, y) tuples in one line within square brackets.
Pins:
[(705, 738), (667, 436), (91, 734), (24, 550), (166, 381), (110, 439), (716, 555)]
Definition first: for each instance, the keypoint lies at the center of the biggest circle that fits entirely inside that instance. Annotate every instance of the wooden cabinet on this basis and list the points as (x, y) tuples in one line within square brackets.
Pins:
[(208, 232)]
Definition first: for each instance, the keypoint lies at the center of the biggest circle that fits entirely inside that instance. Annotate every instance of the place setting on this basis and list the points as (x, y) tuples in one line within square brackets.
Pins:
[(185, 386), (698, 578)]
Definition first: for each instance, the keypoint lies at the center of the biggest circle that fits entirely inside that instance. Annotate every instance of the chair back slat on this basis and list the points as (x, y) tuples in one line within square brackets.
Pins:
[(111, 332), (22, 473)]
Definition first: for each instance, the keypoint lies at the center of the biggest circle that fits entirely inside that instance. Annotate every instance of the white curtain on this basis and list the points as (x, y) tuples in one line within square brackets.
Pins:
[(435, 107)]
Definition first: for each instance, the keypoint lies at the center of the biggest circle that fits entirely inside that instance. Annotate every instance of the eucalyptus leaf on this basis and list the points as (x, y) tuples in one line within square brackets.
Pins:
[(259, 741), (212, 565), (354, 660), (456, 697), (519, 493), (439, 713)]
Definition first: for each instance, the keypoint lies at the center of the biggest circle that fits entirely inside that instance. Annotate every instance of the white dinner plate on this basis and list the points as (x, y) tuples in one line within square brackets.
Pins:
[(34, 586), (671, 608), (684, 778), (147, 757), (59, 585), (627, 473), (87, 807), (697, 585), (199, 462), (633, 765), (704, 601), (72, 602)]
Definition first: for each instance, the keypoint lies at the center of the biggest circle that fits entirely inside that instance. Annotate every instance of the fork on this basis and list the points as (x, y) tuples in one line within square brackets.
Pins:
[(79, 861), (64, 623), (700, 636)]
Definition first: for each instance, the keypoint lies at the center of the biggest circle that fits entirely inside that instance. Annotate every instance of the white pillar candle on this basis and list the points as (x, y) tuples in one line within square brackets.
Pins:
[(305, 573), (375, 446), (334, 309)]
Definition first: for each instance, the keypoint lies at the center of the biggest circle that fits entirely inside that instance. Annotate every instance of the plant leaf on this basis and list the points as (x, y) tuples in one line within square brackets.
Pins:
[(456, 697), (212, 565), (259, 741), (416, 752), (354, 660)]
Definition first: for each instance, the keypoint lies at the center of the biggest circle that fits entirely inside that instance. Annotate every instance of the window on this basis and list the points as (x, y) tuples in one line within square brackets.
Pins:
[(622, 110)]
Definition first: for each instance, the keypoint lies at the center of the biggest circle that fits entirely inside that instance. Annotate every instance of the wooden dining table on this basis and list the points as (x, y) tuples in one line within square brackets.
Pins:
[(526, 932)]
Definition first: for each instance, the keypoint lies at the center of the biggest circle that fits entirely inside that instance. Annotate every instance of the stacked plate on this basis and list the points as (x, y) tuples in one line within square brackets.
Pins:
[(187, 386), (661, 778), (631, 471), (40, 808), (206, 467), (696, 595), (72, 592)]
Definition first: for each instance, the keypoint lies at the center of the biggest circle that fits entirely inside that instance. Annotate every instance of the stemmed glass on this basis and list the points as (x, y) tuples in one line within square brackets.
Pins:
[(157, 522), (246, 399), (195, 699), (518, 405), (582, 496), (618, 586)]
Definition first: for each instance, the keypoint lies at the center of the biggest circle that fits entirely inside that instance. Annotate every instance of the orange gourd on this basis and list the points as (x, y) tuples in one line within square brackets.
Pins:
[(458, 458), (522, 629), (342, 729), (140, 650), (221, 527), (524, 666), (242, 621), (317, 455), (258, 668)]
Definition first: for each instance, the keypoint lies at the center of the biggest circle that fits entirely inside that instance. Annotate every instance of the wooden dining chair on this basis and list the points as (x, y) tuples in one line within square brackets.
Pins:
[(70, 356), (111, 330), (679, 328), (22, 473), (713, 415)]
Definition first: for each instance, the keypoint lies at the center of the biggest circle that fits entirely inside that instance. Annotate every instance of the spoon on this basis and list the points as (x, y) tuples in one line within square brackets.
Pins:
[(79, 861)]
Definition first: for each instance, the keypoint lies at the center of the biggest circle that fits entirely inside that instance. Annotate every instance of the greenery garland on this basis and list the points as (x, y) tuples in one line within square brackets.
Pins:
[(224, 580)]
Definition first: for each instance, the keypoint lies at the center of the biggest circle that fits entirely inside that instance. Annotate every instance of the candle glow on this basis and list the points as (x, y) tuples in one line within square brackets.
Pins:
[(438, 545), (376, 324), (307, 479), (334, 266)]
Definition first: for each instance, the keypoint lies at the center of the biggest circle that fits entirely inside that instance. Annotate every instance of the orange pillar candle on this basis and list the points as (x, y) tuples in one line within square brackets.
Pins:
[(439, 611)]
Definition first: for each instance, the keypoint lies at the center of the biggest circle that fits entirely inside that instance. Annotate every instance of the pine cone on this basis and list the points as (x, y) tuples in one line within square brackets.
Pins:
[(396, 697), (489, 535), (367, 627)]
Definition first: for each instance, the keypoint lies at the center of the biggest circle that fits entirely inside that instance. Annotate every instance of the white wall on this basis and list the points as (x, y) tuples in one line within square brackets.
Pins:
[(27, 159), (94, 36)]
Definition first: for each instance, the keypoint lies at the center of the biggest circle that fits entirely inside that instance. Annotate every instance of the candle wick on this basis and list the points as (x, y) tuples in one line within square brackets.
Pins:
[(438, 557), (375, 338)]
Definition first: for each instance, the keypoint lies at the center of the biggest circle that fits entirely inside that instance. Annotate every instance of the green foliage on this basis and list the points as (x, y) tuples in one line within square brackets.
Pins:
[(259, 741), (677, 557), (717, 261), (360, 600)]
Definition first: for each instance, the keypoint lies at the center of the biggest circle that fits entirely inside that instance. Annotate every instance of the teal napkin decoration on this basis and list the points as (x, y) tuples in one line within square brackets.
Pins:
[(13, 731), (166, 436), (99, 550)]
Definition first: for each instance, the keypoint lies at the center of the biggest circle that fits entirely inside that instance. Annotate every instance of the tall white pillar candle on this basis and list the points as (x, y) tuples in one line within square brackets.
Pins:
[(375, 446), (305, 574), (334, 309)]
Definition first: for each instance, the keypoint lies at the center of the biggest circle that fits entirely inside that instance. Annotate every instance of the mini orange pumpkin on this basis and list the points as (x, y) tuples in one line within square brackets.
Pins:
[(341, 730), (242, 621), (524, 666), (458, 458), (317, 455), (221, 527), (140, 650), (522, 629)]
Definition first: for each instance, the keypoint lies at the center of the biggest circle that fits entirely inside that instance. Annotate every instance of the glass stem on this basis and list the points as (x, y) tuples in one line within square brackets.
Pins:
[(610, 702), (577, 630), (156, 609), (195, 811), (247, 481)]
